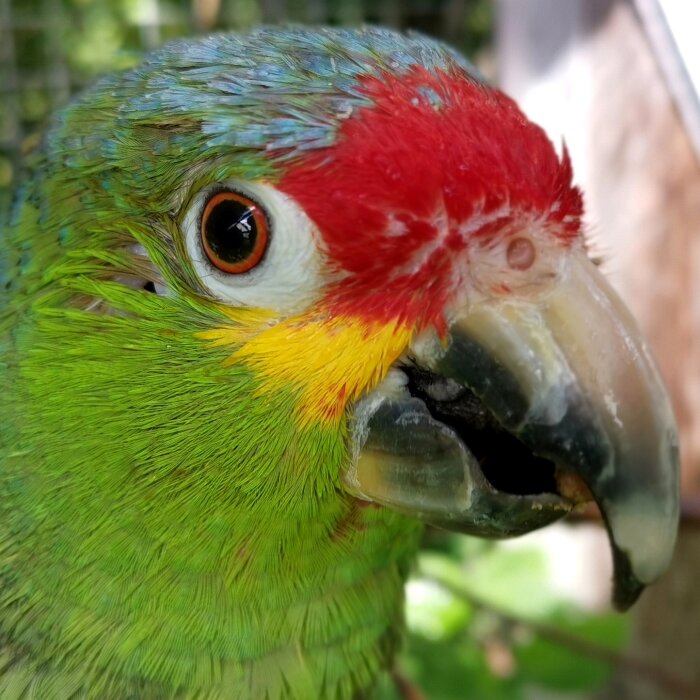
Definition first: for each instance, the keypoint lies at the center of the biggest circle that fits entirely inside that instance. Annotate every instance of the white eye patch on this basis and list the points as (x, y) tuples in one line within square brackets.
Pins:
[(289, 273)]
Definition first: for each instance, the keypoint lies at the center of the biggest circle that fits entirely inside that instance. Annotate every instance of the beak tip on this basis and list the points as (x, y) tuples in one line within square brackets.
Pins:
[(625, 596), (626, 586)]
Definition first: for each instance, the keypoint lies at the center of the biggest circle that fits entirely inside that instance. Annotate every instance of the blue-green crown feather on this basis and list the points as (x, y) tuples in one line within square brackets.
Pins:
[(266, 91)]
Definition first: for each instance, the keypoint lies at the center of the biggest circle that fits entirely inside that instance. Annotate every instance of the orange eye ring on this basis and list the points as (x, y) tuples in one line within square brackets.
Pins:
[(235, 232)]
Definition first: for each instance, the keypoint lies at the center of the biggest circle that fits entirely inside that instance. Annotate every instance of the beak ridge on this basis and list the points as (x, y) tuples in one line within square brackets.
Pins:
[(594, 404), (568, 376)]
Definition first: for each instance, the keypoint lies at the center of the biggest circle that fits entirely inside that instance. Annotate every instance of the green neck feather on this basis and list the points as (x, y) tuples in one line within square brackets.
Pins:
[(166, 529), (168, 532)]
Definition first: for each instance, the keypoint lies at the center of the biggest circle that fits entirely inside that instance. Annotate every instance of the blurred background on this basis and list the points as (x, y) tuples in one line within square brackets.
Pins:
[(618, 80)]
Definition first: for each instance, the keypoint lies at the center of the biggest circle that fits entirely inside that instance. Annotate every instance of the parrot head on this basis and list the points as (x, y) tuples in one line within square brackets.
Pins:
[(261, 282)]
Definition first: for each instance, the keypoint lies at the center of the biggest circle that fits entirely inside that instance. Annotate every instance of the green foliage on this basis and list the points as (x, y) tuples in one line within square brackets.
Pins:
[(565, 667), (484, 622)]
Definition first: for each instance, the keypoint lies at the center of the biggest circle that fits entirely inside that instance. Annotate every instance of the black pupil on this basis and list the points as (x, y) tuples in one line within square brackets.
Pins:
[(231, 231)]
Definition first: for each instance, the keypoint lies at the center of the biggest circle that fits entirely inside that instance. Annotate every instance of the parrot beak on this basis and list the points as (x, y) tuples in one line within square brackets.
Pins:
[(528, 408)]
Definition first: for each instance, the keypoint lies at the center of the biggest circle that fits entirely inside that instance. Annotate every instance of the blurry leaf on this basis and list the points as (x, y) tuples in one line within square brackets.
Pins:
[(434, 612), (609, 631), (510, 579), (513, 580), (521, 639), (479, 23), (575, 665), (6, 171), (386, 689), (34, 105), (455, 670), (579, 664)]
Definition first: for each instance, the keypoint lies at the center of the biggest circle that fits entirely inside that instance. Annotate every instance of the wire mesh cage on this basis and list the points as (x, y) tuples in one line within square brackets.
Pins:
[(49, 49)]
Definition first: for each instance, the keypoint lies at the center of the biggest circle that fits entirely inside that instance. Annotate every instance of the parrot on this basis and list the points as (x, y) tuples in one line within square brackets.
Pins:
[(272, 302)]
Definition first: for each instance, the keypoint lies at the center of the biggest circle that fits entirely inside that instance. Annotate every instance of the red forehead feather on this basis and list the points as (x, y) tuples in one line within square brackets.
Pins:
[(432, 147)]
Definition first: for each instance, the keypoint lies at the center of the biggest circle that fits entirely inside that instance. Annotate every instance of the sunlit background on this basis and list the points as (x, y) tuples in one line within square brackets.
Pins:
[(618, 80)]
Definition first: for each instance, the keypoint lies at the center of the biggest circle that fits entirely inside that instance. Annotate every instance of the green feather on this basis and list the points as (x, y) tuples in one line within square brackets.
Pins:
[(168, 532)]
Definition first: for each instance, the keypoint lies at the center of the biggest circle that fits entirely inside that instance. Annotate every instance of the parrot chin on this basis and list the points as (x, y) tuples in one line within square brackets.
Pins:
[(526, 409)]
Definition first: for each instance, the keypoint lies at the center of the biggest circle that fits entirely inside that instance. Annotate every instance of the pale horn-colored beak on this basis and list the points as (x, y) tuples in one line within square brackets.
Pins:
[(568, 379)]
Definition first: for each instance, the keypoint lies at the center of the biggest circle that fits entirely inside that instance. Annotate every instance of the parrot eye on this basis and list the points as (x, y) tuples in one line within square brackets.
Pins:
[(234, 232), (251, 244)]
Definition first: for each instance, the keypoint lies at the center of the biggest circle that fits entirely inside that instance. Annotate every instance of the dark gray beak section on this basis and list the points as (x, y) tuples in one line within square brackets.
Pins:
[(529, 407)]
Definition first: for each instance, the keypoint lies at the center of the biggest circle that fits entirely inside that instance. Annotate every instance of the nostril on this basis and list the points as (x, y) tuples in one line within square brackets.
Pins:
[(521, 254)]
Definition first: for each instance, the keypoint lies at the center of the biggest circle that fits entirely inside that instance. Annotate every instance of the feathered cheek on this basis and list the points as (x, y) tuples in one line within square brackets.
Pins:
[(326, 363)]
